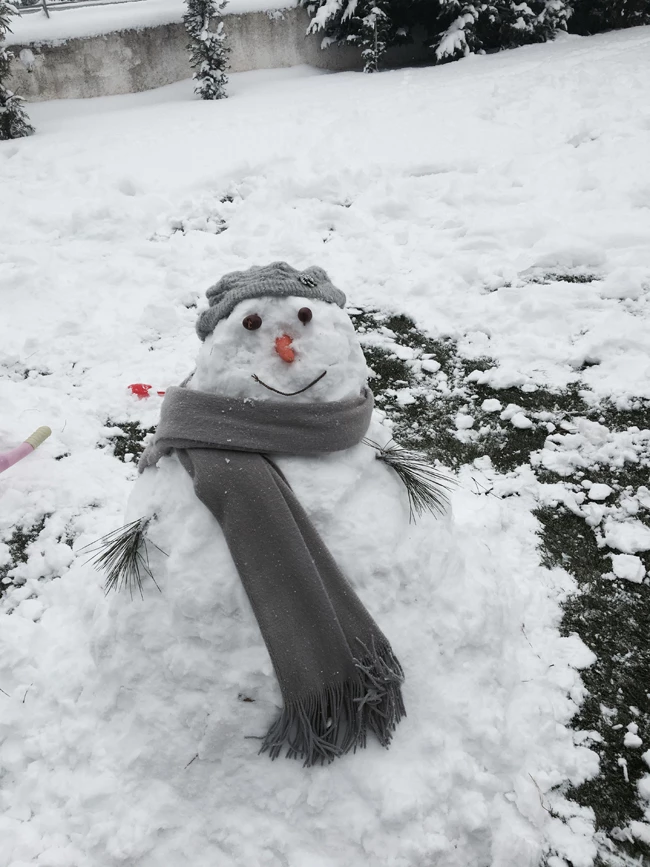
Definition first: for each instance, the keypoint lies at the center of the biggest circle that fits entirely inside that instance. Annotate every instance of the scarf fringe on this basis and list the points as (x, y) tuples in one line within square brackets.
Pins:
[(329, 723)]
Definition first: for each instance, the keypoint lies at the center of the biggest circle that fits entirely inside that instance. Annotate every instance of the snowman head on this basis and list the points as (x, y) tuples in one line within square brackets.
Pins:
[(275, 333)]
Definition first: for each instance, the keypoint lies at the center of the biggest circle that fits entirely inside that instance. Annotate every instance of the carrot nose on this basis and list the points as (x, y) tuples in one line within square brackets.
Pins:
[(283, 348)]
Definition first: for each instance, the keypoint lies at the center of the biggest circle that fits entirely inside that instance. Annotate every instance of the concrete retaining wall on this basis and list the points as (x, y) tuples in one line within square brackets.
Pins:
[(129, 61)]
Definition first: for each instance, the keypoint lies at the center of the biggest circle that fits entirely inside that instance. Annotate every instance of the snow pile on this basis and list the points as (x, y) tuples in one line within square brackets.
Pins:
[(467, 208), (588, 443), (138, 749), (583, 449), (628, 566)]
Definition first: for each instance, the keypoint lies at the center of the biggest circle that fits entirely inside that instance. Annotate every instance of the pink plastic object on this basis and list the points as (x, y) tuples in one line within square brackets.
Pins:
[(8, 459)]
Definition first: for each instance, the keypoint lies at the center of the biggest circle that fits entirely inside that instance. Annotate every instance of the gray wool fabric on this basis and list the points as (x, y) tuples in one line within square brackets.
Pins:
[(277, 280), (338, 675)]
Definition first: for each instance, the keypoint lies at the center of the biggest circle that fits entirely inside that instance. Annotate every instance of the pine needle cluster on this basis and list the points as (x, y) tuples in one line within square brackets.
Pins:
[(123, 557), (426, 487)]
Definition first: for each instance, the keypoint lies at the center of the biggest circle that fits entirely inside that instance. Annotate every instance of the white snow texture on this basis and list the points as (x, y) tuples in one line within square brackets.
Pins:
[(435, 192)]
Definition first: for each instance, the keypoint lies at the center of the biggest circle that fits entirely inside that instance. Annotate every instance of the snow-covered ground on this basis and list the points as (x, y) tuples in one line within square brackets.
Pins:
[(443, 193)]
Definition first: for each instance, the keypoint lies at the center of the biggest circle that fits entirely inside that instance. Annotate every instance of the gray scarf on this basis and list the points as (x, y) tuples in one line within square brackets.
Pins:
[(337, 673)]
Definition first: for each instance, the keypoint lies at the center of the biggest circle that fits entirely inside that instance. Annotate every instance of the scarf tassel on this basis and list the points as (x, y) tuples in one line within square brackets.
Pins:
[(324, 725)]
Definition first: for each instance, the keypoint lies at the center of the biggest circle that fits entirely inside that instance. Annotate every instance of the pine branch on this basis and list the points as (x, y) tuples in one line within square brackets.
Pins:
[(426, 487), (123, 556)]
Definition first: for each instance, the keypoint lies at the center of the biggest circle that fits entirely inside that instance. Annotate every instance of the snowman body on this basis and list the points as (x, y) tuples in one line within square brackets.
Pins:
[(188, 682)]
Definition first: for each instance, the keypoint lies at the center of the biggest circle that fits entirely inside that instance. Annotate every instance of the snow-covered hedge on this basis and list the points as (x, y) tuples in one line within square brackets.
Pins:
[(455, 28), (13, 120), (464, 28), (594, 16)]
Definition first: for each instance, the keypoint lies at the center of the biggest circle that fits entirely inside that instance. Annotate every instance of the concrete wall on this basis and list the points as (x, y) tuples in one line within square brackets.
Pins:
[(129, 61)]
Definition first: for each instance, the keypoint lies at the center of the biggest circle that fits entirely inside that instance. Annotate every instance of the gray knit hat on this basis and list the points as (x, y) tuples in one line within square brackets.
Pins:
[(278, 279)]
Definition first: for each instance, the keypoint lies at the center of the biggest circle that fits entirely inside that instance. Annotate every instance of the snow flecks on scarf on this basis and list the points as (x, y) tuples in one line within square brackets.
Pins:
[(312, 621)]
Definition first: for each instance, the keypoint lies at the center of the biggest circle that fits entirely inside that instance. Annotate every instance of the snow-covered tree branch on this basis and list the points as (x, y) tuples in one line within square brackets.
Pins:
[(455, 28), (14, 122), (471, 28)]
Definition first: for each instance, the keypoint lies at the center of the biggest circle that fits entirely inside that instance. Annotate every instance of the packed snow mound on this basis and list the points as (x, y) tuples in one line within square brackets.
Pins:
[(138, 739), (170, 695)]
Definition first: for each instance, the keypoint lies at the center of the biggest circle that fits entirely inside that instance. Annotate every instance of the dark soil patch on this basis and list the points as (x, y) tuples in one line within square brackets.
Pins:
[(128, 445), (18, 543)]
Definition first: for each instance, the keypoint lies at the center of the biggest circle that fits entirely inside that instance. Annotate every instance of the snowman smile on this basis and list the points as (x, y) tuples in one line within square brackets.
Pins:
[(289, 393)]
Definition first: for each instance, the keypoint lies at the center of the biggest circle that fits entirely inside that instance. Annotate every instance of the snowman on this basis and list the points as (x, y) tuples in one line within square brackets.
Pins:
[(272, 545)]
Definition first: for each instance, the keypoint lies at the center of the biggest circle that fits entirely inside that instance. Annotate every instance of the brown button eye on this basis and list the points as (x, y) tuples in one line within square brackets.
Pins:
[(305, 315), (252, 322)]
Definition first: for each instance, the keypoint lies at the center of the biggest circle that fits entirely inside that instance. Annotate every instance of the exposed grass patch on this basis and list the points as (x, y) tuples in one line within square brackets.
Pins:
[(128, 445), (611, 616), (429, 421), (18, 543), (561, 277)]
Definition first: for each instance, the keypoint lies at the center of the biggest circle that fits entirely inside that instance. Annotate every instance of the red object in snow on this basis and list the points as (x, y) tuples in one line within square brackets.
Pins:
[(140, 390)]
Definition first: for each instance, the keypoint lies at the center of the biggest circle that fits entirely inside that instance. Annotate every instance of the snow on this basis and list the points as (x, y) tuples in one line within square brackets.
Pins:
[(491, 404), (600, 492), (628, 536), (644, 787), (629, 567), (521, 421), (464, 421), (109, 240), (95, 20), (589, 443)]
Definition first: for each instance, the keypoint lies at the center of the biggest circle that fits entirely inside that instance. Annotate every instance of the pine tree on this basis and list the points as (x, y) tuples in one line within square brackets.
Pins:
[(456, 28), (208, 52), (14, 122), (371, 25), (374, 34), (495, 26), (594, 16), (467, 28)]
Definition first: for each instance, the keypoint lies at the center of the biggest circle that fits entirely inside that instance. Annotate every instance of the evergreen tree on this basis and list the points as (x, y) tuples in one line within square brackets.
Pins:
[(374, 33), (208, 52), (371, 25), (14, 123), (468, 28), (594, 16), (456, 28)]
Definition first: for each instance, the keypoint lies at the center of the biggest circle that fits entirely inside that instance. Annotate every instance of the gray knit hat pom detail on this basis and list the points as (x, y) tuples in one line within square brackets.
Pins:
[(278, 280)]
